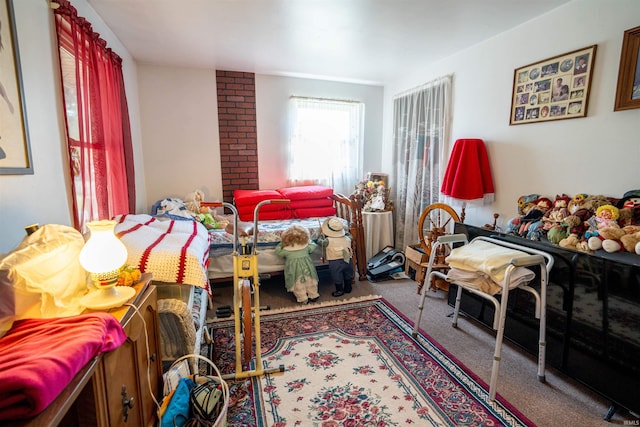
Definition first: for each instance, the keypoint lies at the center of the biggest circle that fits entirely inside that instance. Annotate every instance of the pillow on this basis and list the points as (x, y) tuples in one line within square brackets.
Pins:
[(323, 202), (268, 215), (269, 207), (253, 197), (306, 192)]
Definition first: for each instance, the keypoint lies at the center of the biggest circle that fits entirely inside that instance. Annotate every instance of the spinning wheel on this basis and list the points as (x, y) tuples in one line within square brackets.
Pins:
[(436, 220)]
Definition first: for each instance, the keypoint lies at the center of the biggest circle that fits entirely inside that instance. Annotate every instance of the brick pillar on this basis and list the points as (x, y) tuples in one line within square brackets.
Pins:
[(238, 133)]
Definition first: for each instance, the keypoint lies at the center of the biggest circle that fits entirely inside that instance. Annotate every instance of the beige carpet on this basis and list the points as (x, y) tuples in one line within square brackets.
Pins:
[(558, 402)]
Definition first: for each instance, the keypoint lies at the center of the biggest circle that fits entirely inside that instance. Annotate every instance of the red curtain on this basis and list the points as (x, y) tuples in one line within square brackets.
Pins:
[(98, 131)]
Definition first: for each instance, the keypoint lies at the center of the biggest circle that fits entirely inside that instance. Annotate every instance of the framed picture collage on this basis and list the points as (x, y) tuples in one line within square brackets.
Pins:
[(554, 89)]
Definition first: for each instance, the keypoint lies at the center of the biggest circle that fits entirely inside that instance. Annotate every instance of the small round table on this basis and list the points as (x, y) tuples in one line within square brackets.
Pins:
[(378, 231)]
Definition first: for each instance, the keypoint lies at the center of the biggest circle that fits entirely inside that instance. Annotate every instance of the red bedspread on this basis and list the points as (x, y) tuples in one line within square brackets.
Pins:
[(39, 357)]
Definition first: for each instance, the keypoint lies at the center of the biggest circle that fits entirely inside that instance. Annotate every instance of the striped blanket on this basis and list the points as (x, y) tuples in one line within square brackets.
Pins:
[(174, 251)]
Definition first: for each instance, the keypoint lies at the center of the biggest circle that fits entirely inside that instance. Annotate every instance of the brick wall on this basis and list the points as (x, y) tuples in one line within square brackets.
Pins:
[(238, 133)]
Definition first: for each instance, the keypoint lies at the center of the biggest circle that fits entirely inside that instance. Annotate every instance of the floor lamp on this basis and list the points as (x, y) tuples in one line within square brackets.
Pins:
[(467, 179)]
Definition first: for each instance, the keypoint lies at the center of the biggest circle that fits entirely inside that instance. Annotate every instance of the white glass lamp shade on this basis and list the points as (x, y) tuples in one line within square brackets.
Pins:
[(103, 255)]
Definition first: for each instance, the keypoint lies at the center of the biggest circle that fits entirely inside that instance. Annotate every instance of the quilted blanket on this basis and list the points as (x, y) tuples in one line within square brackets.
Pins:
[(268, 235), (174, 251)]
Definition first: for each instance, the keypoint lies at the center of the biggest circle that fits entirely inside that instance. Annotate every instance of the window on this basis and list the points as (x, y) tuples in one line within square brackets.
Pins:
[(98, 133), (420, 136), (325, 146)]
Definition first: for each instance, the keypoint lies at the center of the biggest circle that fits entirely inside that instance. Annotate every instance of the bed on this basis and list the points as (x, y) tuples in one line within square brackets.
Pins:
[(184, 256), (176, 253), (347, 208)]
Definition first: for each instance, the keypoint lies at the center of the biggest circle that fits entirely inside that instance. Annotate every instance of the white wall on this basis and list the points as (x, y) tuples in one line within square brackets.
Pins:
[(179, 115), (272, 106), (597, 154), (179, 118), (44, 197)]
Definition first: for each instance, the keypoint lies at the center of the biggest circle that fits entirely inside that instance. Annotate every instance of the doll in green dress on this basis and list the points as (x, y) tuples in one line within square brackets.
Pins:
[(300, 274)]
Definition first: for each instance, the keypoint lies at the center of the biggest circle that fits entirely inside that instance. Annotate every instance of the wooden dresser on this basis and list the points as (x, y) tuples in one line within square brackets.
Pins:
[(114, 389)]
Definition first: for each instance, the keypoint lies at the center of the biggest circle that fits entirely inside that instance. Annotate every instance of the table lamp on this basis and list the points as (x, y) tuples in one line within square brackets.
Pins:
[(103, 256), (467, 179)]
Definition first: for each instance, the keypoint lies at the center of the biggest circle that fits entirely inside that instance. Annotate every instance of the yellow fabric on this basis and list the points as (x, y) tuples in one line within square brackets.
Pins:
[(486, 257)]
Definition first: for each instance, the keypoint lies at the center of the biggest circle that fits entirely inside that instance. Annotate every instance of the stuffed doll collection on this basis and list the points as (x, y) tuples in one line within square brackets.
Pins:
[(584, 222)]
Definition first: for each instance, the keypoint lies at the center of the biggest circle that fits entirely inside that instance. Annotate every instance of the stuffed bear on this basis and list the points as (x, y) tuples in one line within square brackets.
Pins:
[(631, 242), (614, 239)]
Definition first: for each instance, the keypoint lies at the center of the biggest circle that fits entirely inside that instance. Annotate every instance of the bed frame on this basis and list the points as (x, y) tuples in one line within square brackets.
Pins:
[(350, 209)]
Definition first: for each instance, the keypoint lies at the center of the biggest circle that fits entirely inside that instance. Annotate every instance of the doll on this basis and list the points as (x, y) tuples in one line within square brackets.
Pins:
[(337, 245), (300, 274)]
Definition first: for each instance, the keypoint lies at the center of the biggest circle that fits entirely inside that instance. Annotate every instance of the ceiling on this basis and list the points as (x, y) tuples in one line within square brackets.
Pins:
[(364, 41)]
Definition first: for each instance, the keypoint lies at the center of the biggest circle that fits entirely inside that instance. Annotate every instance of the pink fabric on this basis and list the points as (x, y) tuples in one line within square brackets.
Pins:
[(305, 192), (39, 357), (468, 174)]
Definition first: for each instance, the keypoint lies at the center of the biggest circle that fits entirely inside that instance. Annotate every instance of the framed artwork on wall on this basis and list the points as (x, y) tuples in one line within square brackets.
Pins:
[(554, 89), (628, 90), (15, 151)]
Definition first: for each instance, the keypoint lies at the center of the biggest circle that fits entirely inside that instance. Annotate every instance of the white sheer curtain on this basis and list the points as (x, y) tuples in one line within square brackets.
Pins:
[(421, 142), (325, 145)]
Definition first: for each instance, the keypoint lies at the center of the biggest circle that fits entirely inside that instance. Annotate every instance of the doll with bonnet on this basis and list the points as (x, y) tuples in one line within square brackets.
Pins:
[(337, 247), (300, 276)]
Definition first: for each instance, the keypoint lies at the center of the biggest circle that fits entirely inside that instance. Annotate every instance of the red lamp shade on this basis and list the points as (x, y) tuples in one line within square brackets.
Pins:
[(467, 179)]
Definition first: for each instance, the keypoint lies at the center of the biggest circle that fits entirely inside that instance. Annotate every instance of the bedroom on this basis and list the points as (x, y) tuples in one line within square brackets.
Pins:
[(547, 151), (517, 153)]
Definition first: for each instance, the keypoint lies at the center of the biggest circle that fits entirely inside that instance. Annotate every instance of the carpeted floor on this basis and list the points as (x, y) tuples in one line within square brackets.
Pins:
[(353, 363), (558, 402)]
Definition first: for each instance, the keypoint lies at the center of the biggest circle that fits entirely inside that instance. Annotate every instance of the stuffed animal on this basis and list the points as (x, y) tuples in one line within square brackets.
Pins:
[(193, 200), (525, 204), (615, 239), (552, 217), (576, 202), (606, 217), (629, 207), (631, 242), (542, 206)]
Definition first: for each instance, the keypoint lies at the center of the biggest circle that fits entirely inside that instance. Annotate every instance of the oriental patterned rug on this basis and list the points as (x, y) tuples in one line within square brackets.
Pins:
[(354, 364)]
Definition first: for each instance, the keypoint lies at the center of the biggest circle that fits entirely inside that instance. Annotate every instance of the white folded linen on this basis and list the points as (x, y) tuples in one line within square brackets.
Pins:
[(484, 283)]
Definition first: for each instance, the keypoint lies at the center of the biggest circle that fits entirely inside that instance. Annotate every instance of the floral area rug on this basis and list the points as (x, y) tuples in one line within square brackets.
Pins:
[(353, 364)]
